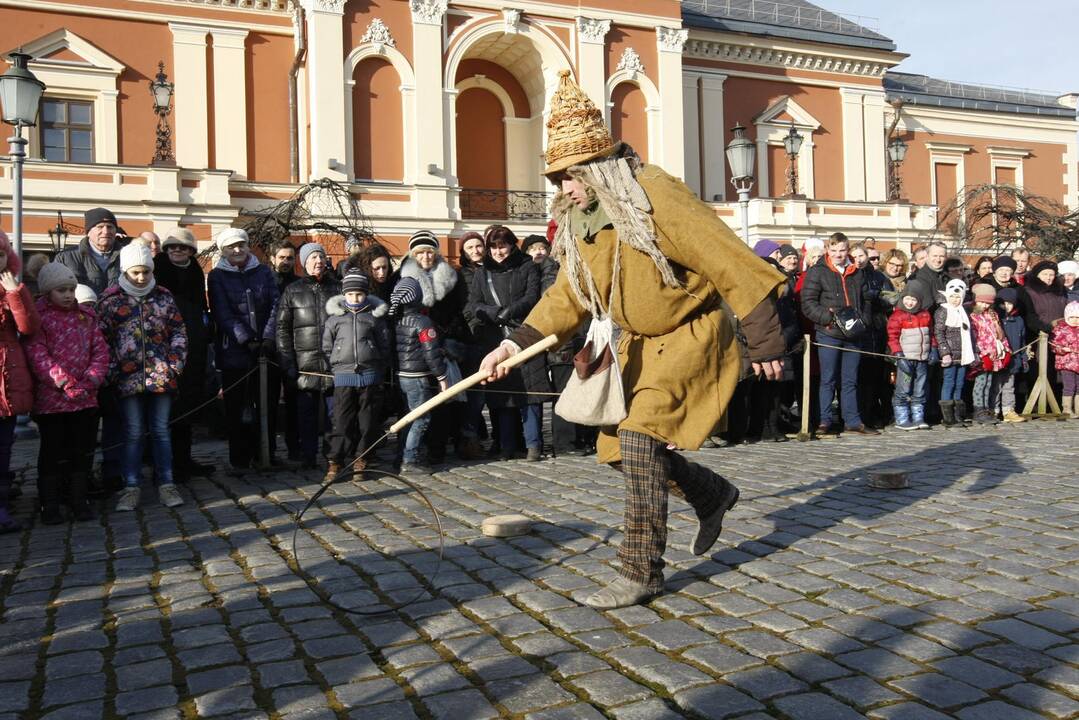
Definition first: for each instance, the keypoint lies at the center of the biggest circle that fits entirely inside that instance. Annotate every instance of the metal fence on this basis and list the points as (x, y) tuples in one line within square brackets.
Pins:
[(503, 204)]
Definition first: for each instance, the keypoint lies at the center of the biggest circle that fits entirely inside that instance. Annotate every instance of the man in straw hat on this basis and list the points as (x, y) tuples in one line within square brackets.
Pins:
[(637, 243)]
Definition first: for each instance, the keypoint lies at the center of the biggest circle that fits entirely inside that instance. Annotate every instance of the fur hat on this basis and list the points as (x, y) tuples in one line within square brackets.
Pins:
[(405, 294), (85, 294), (231, 236), (1043, 265), (1071, 309), (307, 249), (422, 239), (136, 254), (1068, 267), (576, 132), (764, 248), (180, 236), (355, 281), (983, 292), (1004, 262), (54, 275), (532, 240), (95, 216)]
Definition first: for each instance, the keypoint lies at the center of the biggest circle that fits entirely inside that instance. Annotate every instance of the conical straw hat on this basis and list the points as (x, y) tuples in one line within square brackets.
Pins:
[(575, 130)]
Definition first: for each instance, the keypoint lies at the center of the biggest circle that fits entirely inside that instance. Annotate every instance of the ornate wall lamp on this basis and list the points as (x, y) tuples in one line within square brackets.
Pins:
[(792, 143), (161, 89)]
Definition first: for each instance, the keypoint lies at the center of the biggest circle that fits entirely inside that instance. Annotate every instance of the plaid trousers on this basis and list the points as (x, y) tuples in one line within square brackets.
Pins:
[(651, 471)]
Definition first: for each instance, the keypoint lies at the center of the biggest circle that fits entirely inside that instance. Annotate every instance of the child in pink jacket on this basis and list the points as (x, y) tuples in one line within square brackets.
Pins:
[(69, 360), (1066, 347)]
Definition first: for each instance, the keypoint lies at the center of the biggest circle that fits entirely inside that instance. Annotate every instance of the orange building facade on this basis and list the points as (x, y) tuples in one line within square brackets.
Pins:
[(433, 112)]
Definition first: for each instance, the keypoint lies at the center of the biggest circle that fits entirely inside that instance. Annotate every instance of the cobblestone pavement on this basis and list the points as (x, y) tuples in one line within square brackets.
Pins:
[(826, 599)]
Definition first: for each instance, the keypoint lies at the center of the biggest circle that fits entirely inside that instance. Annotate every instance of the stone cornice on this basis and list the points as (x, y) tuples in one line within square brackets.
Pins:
[(671, 39), (796, 59), (335, 7)]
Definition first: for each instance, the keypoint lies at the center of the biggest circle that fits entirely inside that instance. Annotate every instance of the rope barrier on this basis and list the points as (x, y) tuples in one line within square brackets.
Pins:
[(889, 356)]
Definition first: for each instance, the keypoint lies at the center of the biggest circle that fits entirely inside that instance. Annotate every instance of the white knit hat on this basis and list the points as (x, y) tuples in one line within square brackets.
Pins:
[(1068, 267), (85, 293), (135, 254), (231, 236)]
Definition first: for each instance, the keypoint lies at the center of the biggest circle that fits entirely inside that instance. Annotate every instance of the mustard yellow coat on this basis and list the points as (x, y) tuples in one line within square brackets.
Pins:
[(679, 359)]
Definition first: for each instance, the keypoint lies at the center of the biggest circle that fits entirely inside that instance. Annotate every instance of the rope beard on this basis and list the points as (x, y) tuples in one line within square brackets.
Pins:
[(612, 180)]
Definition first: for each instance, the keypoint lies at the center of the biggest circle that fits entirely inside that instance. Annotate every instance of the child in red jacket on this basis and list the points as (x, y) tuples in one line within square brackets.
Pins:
[(69, 359), (909, 340)]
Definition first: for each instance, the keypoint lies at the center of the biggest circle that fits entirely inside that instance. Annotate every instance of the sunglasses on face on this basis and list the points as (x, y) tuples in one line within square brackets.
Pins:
[(874, 258)]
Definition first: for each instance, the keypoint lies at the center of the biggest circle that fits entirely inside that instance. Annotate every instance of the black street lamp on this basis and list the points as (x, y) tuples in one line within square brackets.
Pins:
[(161, 89), (20, 96), (58, 235), (897, 151), (792, 143)]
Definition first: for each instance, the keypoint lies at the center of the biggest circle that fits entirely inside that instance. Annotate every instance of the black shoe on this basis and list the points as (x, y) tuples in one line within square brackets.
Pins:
[(197, 469), (82, 512), (52, 516), (829, 430)]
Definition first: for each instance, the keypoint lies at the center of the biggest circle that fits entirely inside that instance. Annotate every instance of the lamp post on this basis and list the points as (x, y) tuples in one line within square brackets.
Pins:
[(792, 143), (20, 95), (897, 151), (740, 155), (161, 89), (58, 235)]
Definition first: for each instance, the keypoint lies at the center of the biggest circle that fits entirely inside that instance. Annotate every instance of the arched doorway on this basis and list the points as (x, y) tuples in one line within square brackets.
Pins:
[(377, 121), (629, 118)]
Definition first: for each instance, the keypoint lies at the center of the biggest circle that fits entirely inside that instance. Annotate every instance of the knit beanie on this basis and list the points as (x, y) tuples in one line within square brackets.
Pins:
[(355, 281), (53, 275), (1071, 309), (1068, 267), (307, 248), (532, 240), (1004, 262), (984, 293), (765, 248), (1008, 294), (180, 236), (787, 251), (405, 293), (135, 254), (231, 236), (97, 215), (85, 294), (352, 243), (422, 238)]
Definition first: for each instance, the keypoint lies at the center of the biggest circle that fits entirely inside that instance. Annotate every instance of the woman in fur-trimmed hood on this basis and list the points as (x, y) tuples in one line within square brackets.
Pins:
[(637, 245)]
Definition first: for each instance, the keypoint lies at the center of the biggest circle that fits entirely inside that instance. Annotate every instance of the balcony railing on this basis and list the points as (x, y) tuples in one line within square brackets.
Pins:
[(503, 204)]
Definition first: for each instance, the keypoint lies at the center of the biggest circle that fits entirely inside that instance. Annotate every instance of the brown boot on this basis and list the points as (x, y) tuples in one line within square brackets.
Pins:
[(332, 471), (358, 467)]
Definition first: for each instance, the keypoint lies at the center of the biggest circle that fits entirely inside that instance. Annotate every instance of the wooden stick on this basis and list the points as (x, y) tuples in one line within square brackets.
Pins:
[(803, 433), (474, 379)]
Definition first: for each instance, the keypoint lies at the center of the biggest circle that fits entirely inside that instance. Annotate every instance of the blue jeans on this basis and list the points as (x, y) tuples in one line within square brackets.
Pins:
[(532, 422), (835, 364), (146, 411), (311, 425), (417, 391), (955, 377), (910, 379)]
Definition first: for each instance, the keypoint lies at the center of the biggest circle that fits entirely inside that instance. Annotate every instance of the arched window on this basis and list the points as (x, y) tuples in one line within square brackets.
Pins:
[(378, 143), (629, 121)]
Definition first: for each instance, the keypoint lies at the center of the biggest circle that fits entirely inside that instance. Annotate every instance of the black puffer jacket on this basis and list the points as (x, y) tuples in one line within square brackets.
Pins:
[(825, 290), (516, 282), (301, 320), (419, 347), (81, 261), (358, 343)]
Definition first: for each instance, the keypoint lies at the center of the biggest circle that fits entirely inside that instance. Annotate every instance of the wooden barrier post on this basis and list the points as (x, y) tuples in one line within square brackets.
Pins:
[(264, 412), (1042, 392), (803, 433)]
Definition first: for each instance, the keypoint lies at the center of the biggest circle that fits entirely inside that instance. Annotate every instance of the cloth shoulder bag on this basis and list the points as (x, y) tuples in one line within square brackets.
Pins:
[(594, 394)]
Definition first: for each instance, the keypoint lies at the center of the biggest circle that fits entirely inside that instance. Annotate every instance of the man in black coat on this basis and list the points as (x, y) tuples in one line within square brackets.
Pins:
[(282, 260), (835, 299), (177, 271), (301, 319)]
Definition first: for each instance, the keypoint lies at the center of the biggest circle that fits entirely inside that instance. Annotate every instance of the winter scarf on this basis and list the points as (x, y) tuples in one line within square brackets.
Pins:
[(134, 291), (958, 318)]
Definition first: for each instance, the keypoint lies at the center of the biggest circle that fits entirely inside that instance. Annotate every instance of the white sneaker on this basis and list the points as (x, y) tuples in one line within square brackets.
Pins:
[(169, 496), (129, 500)]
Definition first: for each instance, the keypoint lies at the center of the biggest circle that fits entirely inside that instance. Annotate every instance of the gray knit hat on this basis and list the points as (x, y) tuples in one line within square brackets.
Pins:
[(53, 275), (306, 249)]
